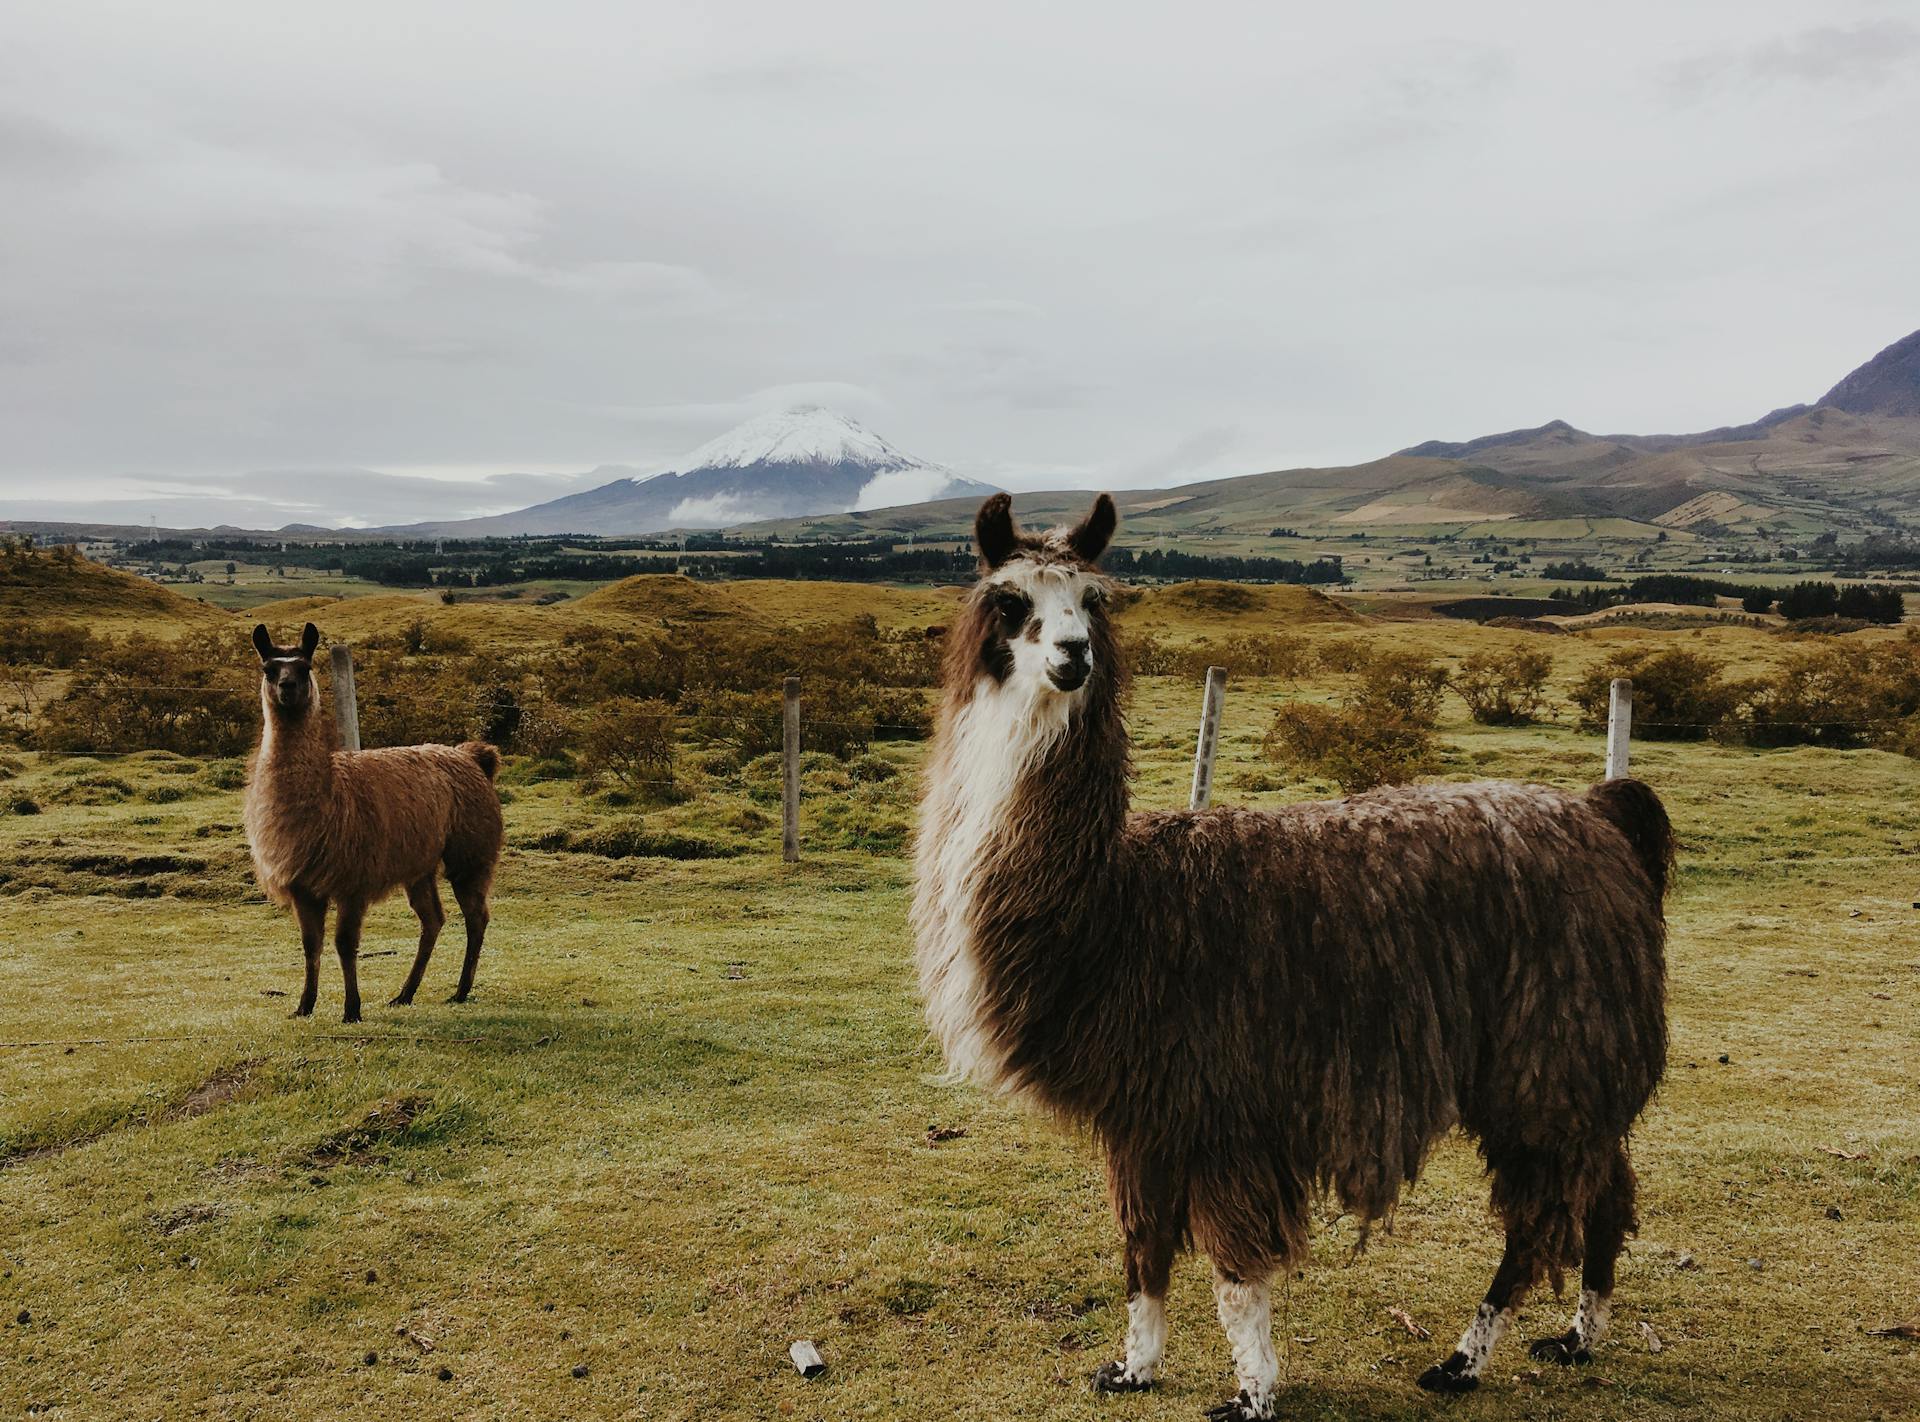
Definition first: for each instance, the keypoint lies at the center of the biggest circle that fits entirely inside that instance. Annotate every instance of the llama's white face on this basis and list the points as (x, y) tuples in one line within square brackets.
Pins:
[(1045, 611)]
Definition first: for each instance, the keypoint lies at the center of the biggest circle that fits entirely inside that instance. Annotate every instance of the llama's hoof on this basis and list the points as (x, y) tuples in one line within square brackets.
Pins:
[(1114, 1377), (1239, 1408), (301, 1012), (458, 997), (1450, 1376), (401, 1001), (351, 1015), (1564, 1350)]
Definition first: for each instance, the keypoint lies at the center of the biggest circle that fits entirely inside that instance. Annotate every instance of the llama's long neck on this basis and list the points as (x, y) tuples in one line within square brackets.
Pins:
[(290, 791), (295, 754), (1023, 816)]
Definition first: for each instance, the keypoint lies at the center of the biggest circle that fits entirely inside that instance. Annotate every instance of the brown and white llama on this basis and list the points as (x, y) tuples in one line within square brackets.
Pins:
[(1251, 1008), (347, 828)]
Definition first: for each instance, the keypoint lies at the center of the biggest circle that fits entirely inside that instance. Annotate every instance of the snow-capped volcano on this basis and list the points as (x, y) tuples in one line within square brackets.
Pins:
[(805, 434), (805, 460)]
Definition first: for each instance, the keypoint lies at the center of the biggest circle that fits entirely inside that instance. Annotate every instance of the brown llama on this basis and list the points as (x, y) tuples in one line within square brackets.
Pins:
[(1250, 1008), (347, 828)]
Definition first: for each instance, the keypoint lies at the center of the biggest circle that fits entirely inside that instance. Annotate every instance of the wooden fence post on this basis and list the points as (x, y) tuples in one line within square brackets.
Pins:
[(1619, 725), (790, 772), (346, 709), (1209, 738)]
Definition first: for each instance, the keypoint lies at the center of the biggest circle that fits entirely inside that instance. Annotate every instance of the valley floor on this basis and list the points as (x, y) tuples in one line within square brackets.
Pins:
[(687, 1117)]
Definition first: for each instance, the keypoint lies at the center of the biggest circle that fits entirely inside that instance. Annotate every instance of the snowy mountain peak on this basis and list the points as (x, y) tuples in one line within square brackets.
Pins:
[(804, 434)]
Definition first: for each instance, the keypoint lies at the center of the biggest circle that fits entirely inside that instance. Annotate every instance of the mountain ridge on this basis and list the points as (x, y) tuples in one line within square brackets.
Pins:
[(790, 463)]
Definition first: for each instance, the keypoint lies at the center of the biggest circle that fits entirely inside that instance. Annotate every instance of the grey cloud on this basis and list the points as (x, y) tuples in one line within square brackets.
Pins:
[(1028, 247), (1872, 51)]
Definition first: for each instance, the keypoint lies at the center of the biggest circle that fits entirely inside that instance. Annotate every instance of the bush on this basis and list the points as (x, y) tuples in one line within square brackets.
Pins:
[(1757, 601), (415, 700), (1382, 734), (630, 839), (194, 696), (56, 645), (1507, 688), (628, 742), (1355, 746), (1677, 695), (1840, 695), (1246, 654)]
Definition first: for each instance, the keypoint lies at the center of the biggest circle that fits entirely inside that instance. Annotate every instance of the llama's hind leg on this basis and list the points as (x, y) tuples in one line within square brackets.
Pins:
[(472, 896), (1149, 1264), (312, 913), (1609, 1221), (1519, 1270), (346, 942), (1246, 1312), (425, 898)]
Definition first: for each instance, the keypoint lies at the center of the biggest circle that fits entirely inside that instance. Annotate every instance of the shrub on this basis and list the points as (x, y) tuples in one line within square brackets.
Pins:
[(1678, 695), (1842, 695), (629, 742), (59, 645), (1355, 746), (194, 696), (1382, 733), (630, 839), (413, 700), (1506, 688), (1757, 601), (1247, 654)]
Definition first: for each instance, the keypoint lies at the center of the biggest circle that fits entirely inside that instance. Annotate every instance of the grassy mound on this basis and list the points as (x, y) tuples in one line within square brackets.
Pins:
[(35, 581)]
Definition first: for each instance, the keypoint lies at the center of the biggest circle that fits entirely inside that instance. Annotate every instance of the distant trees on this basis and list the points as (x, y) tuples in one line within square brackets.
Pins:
[(1575, 571), (1856, 600)]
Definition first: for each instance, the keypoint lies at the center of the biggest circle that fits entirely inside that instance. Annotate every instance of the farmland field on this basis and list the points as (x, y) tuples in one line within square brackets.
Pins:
[(691, 1113)]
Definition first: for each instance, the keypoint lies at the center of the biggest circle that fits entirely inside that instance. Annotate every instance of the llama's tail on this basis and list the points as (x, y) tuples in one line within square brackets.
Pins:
[(1633, 809), (487, 756)]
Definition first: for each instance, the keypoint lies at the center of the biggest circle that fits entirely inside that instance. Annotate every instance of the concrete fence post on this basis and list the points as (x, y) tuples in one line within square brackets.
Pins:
[(790, 771), (1209, 738), (1619, 725), (346, 708)]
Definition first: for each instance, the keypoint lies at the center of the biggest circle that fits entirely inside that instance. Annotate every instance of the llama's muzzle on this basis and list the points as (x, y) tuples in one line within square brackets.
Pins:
[(1072, 673)]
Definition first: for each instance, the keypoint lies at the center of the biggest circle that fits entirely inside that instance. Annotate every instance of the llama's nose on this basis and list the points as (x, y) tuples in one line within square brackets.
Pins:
[(1076, 651)]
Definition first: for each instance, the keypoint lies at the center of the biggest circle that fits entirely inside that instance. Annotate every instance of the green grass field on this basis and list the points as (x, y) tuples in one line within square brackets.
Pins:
[(686, 1120)]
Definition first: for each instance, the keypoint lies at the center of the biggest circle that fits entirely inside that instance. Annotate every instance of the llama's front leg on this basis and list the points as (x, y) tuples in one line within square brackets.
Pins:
[(346, 942), (1246, 1312), (1462, 1369), (1149, 1263), (312, 913)]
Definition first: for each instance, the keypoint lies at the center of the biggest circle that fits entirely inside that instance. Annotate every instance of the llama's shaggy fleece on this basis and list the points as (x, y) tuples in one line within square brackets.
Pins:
[(350, 827), (1250, 1007)]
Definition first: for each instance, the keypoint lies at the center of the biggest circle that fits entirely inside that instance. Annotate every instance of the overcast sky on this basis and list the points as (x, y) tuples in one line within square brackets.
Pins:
[(362, 262)]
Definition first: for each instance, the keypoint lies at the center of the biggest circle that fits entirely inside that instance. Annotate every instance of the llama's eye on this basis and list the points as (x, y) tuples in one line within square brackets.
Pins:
[(1092, 595), (1013, 609)]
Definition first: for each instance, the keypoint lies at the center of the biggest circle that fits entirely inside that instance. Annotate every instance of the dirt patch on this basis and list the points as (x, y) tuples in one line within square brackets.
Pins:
[(216, 1091), (183, 1217), (361, 1144)]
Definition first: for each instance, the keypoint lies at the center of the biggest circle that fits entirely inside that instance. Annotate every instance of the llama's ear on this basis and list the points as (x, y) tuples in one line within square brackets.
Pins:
[(263, 642), (309, 639), (1090, 539), (995, 531)]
